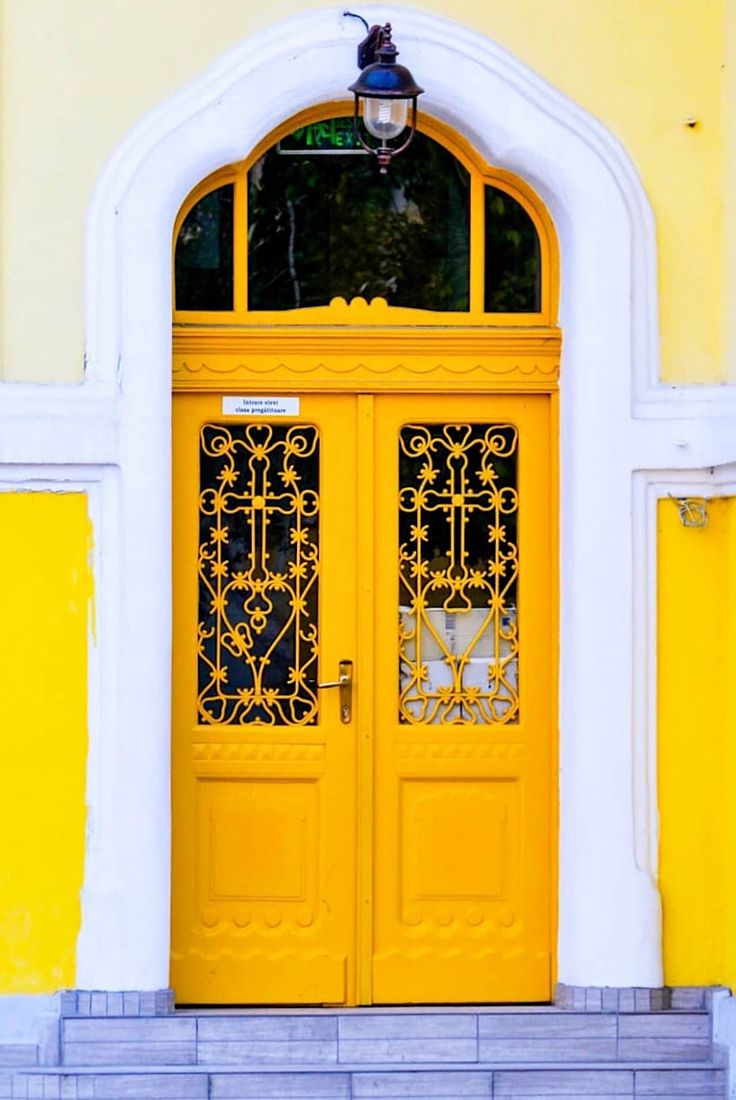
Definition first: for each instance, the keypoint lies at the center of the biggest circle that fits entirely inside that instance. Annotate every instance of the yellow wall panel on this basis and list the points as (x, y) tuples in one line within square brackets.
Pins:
[(45, 590), (641, 68), (697, 568)]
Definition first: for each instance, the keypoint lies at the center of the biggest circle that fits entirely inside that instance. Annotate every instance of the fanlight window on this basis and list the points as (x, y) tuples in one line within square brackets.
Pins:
[(308, 225), (324, 226)]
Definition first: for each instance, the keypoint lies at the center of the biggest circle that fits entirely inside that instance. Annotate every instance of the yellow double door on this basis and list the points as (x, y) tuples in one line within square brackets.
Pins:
[(387, 840)]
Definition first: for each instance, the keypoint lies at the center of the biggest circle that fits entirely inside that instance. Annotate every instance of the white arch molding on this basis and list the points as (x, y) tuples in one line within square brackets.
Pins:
[(609, 913)]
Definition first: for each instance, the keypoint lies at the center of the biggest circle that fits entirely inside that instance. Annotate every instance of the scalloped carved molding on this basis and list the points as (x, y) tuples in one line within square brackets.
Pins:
[(192, 375)]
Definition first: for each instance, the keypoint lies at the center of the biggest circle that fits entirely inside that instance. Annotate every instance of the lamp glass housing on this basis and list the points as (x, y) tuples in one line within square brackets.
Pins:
[(385, 119)]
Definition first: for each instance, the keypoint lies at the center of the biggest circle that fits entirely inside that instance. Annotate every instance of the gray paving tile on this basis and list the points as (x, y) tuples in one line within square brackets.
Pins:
[(664, 1050), (586, 1083), (406, 1026), (544, 1025), (280, 1086), (130, 1054), (150, 1086), (18, 1054), (665, 1024), (689, 997), (244, 1052), (284, 1028), (408, 1050), (130, 1029), (547, 1050), (115, 1004), (680, 1082), (395, 1086), (148, 1003)]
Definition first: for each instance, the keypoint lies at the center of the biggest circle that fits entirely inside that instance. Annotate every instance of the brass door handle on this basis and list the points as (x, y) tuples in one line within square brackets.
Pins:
[(344, 682)]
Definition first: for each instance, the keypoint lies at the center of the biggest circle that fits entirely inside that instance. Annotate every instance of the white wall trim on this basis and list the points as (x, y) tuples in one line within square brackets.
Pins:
[(617, 419), (649, 487)]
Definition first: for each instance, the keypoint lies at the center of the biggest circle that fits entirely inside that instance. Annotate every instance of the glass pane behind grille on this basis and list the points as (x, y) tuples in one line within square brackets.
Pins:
[(204, 254), (513, 276), (325, 225), (458, 569), (258, 573)]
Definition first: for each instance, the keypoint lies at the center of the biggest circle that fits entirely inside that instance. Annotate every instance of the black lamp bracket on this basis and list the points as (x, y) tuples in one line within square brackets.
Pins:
[(371, 44)]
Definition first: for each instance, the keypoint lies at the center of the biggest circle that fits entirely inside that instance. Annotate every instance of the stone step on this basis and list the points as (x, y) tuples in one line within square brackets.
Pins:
[(18, 1054), (387, 1038), (481, 1082)]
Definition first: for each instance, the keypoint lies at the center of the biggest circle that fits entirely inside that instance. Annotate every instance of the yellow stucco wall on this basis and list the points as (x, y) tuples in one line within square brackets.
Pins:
[(45, 591), (696, 691), (76, 76)]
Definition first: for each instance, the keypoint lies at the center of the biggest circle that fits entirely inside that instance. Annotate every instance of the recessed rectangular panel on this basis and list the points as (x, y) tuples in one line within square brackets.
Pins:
[(258, 840), (459, 841)]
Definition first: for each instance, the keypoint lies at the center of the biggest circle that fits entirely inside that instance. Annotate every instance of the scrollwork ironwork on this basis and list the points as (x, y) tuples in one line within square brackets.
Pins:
[(258, 573), (458, 569)]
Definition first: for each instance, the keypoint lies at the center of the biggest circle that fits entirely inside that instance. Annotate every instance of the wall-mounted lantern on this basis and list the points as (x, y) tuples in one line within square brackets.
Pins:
[(387, 91)]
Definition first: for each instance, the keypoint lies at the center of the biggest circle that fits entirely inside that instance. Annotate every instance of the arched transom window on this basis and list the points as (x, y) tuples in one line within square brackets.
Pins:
[(307, 231)]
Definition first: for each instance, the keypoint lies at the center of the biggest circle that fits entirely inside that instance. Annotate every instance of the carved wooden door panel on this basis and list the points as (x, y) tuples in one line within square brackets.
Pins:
[(463, 715), (263, 764)]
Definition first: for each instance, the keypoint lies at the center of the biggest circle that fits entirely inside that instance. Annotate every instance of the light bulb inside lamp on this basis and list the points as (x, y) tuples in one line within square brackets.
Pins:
[(385, 118)]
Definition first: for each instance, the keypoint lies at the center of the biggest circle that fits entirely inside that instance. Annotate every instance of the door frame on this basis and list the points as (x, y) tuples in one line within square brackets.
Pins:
[(530, 371), (609, 372)]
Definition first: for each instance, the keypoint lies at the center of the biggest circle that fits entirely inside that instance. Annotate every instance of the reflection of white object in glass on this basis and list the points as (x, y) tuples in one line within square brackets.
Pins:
[(385, 118), (478, 672), (457, 631)]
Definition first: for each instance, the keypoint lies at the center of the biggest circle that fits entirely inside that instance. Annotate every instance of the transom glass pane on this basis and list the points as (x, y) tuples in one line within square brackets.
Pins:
[(204, 254), (322, 223), (513, 278), (258, 573), (458, 569)]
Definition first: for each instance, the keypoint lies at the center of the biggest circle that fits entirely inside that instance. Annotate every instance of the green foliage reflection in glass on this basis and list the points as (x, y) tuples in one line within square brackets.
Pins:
[(328, 225), (204, 253), (512, 256)]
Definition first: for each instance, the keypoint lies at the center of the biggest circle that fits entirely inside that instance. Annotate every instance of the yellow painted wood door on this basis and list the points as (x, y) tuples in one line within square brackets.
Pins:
[(462, 886), (405, 855), (263, 768)]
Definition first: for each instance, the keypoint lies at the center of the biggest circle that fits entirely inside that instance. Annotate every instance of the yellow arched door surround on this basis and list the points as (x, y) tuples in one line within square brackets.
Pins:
[(365, 495)]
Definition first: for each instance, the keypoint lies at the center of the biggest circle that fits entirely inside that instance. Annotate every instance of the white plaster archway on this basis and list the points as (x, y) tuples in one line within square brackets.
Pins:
[(609, 923)]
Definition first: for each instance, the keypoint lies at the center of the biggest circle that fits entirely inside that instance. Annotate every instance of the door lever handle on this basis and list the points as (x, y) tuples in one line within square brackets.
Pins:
[(344, 682)]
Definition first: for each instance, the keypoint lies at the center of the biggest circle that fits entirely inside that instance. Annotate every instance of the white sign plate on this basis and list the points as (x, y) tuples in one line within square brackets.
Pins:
[(260, 406)]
